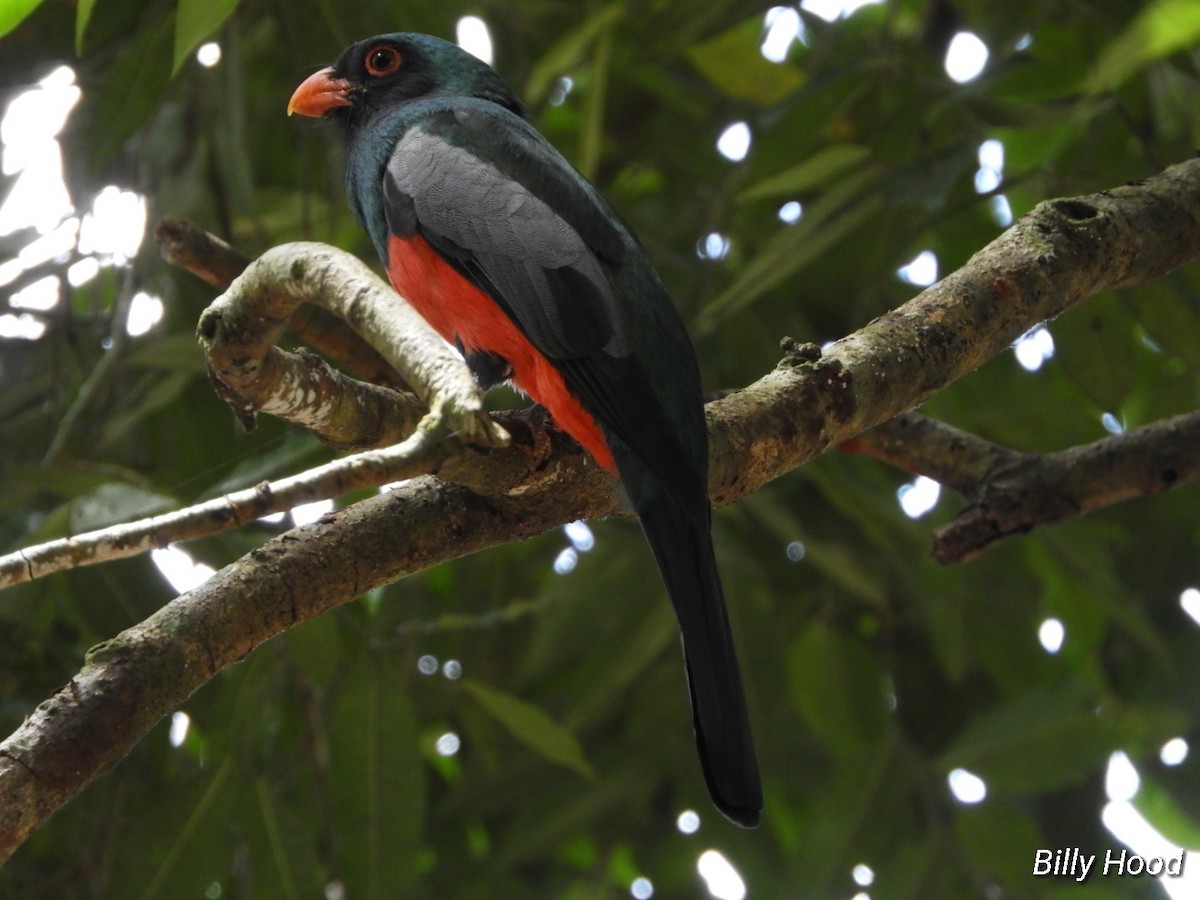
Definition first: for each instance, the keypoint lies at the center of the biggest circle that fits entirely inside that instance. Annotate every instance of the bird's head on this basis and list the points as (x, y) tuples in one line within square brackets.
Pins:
[(384, 71)]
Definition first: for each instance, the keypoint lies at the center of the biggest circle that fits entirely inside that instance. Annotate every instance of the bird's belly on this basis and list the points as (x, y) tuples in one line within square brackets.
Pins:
[(461, 312)]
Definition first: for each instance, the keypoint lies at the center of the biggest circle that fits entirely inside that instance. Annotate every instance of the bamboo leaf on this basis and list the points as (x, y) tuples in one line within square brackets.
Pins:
[(569, 51), (820, 169), (83, 15), (196, 20), (532, 727), (14, 12), (1162, 29)]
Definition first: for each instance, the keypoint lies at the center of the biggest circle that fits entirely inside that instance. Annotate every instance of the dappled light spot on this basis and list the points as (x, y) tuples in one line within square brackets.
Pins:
[(1174, 752), (393, 485), (967, 787), (991, 155), (448, 744), (24, 326), (1189, 601), (784, 27), (1034, 348), (566, 561), (1001, 210), (832, 10), (307, 513), (987, 180), (795, 551), (208, 55), (29, 132), (427, 664), (181, 571), (1121, 781), (641, 889), (561, 90), (919, 497), (720, 877), (39, 296), (965, 57), (990, 174), (734, 142), (452, 669), (82, 271), (180, 723), (115, 226), (9, 270), (713, 246), (580, 535), (922, 271), (1112, 424), (863, 875), (473, 35), (1051, 634), (688, 822), (791, 212), (145, 311), (54, 245)]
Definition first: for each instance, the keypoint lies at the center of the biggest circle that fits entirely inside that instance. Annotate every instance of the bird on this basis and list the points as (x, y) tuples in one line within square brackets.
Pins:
[(516, 258)]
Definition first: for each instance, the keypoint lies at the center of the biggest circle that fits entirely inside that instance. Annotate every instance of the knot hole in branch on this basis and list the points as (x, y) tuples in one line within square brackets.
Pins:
[(1076, 210)]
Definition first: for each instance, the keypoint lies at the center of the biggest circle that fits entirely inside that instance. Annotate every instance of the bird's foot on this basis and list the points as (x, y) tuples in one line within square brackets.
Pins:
[(535, 427)]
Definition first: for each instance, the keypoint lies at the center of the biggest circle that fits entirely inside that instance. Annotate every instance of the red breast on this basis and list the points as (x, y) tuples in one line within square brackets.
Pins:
[(460, 311)]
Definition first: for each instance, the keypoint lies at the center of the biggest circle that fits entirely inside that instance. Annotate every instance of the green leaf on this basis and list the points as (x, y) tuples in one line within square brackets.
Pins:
[(172, 352), (1162, 811), (13, 13), (569, 51), (196, 815), (818, 170), (1163, 310), (1162, 29), (733, 63), (591, 136), (827, 222), (196, 20), (532, 727), (132, 88), (999, 836), (113, 503), (157, 393), (1088, 339), (83, 15), (376, 779), (1042, 740), (837, 685)]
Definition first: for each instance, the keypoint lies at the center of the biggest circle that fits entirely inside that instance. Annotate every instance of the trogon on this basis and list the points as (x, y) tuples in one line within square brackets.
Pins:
[(515, 257)]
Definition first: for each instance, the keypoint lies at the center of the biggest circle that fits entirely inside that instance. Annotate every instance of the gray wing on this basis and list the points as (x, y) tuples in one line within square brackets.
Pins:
[(506, 239)]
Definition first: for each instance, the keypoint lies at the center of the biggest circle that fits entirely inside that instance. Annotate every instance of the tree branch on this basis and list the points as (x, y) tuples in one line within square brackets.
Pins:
[(240, 328), (1011, 493), (925, 446), (1052, 259), (1040, 489), (216, 263)]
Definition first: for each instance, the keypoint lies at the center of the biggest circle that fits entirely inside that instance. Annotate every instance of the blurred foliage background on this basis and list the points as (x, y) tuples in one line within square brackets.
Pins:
[(493, 727)]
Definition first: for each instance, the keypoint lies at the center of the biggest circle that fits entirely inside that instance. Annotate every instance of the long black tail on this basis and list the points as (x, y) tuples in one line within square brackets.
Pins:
[(681, 539)]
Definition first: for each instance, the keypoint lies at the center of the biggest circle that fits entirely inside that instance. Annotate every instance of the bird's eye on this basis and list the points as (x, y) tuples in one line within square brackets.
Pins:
[(383, 60)]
